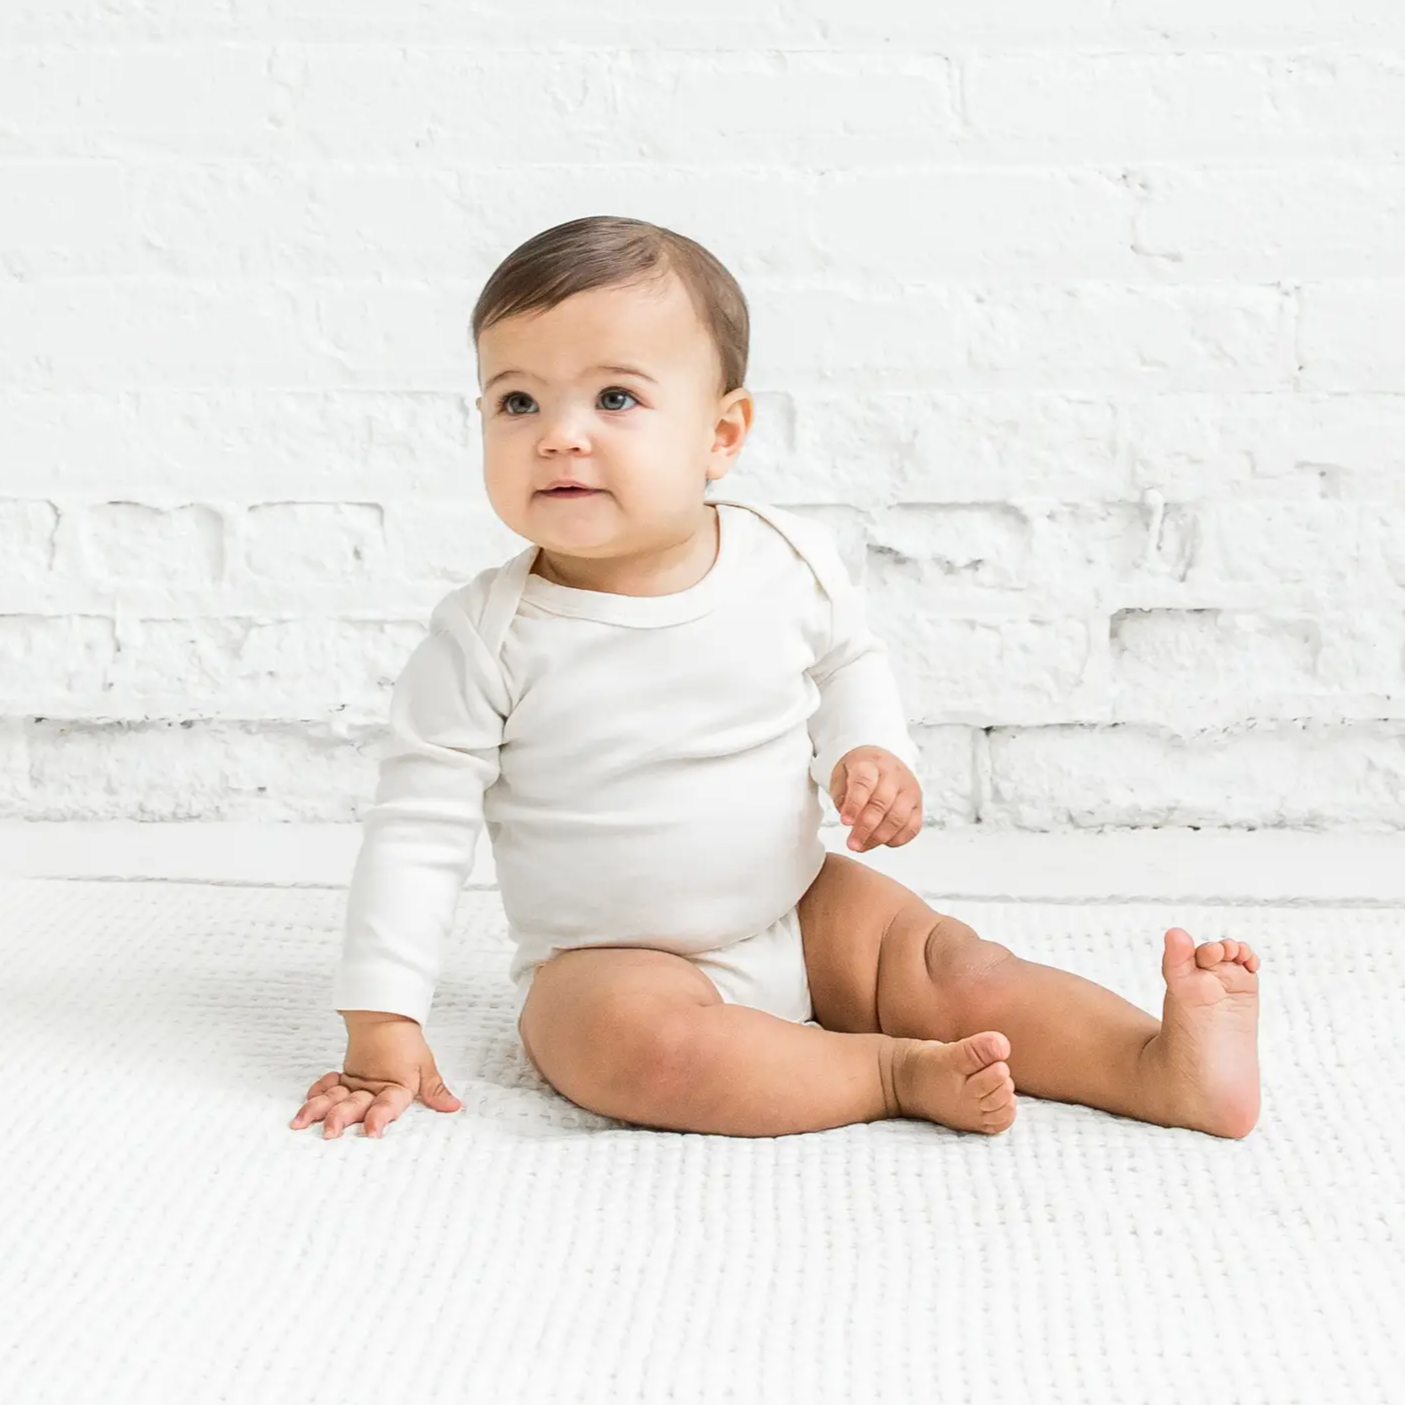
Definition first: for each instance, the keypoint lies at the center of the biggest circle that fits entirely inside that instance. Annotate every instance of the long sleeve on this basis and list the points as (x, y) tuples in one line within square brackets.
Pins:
[(420, 834), (859, 700)]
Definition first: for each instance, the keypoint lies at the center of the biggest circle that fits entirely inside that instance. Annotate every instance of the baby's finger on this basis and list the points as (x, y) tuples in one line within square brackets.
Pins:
[(316, 1108), (862, 780), (871, 818), (317, 1101), (880, 803), (389, 1104), (894, 822), (328, 1080), (351, 1108)]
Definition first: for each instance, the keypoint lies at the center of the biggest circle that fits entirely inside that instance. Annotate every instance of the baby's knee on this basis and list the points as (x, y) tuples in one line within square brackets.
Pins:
[(956, 954)]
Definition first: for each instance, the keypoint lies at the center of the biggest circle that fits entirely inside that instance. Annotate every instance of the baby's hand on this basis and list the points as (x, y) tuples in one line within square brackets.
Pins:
[(875, 792), (387, 1065)]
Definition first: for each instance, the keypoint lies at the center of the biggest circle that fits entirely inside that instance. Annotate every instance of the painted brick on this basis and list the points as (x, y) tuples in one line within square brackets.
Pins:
[(1074, 323)]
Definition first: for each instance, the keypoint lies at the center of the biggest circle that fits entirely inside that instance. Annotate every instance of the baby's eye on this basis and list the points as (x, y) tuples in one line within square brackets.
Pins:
[(514, 394)]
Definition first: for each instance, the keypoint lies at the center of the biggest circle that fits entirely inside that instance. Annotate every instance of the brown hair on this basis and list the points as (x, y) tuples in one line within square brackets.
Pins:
[(613, 250)]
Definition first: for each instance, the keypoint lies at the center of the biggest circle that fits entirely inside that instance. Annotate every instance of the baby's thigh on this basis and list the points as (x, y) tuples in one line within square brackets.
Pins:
[(600, 1012)]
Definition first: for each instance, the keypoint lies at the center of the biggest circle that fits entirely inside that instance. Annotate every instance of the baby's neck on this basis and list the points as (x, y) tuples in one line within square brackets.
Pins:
[(665, 573)]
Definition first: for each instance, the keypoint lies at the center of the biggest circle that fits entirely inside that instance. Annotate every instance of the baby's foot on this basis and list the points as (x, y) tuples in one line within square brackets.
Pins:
[(1203, 1067), (965, 1085)]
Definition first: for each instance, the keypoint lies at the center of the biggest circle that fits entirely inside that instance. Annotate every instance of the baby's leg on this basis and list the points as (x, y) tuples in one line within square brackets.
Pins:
[(643, 1036)]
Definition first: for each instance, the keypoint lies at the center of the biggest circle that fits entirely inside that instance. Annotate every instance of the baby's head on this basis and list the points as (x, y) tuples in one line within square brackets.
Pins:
[(596, 293)]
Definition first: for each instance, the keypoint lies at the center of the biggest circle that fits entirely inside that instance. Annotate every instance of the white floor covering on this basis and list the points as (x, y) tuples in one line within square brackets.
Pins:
[(167, 1237)]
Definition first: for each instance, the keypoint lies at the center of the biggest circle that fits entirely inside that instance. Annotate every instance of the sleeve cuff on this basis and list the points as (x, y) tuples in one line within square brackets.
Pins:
[(822, 767), (391, 988)]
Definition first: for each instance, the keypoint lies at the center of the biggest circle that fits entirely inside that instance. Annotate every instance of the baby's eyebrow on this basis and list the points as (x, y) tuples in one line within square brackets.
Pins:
[(621, 370)]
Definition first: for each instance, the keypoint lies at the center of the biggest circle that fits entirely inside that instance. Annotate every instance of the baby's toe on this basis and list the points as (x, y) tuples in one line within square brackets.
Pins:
[(989, 1080), (1209, 954), (998, 1119), (1002, 1095)]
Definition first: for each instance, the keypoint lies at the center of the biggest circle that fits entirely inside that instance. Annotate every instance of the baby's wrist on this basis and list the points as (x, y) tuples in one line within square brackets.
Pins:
[(360, 1019)]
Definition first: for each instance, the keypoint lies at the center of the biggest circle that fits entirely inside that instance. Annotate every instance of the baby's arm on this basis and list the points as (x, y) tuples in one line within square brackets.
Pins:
[(446, 719), (420, 834), (860, 705)]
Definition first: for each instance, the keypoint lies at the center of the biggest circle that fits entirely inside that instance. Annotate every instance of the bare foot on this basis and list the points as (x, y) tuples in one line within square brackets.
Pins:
[(965, 1085), (1203, 1067)]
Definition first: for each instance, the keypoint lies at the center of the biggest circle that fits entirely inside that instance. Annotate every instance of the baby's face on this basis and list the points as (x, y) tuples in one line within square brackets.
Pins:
[(646, 439)]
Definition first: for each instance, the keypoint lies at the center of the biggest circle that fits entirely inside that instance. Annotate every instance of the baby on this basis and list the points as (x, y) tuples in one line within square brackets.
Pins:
[(643, 708)]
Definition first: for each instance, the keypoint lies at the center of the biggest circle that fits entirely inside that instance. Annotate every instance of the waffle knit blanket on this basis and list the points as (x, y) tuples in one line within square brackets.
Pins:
[(166, 1236)]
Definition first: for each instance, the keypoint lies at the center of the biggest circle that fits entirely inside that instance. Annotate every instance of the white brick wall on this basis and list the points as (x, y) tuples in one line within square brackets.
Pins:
[(1083, 323)]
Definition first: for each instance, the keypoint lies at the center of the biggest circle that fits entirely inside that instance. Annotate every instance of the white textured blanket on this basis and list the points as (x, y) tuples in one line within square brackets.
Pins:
[(167, 1237)]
